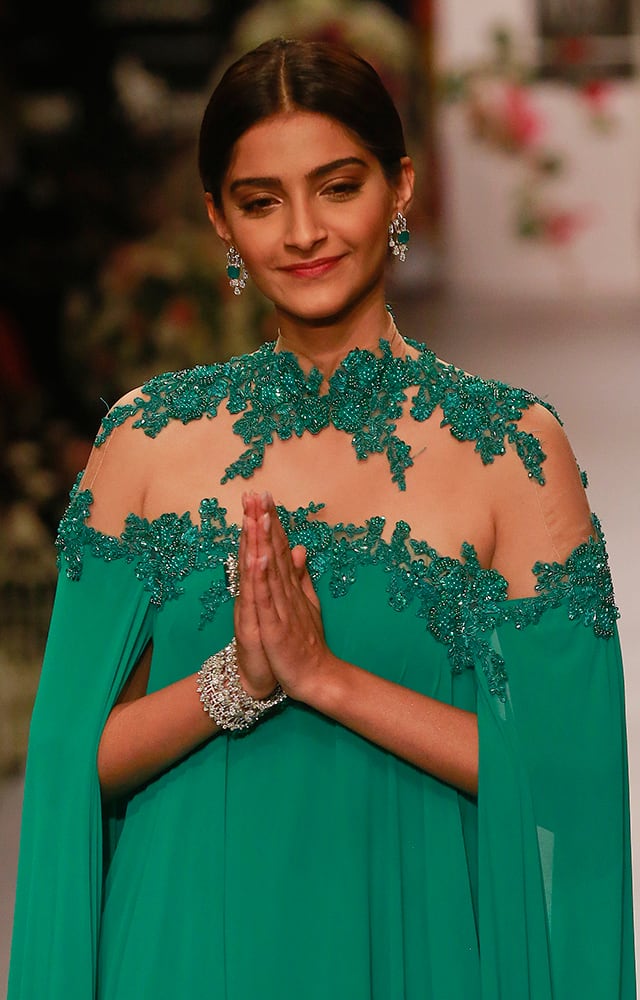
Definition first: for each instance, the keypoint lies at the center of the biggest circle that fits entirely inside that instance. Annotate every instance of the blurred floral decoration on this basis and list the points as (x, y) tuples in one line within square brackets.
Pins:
[(380, 35), (161, 303), (501, 112)]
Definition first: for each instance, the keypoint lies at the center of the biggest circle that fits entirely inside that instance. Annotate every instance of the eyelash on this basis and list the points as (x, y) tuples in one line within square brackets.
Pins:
[(338, 192), (257, 206), (343, 189)]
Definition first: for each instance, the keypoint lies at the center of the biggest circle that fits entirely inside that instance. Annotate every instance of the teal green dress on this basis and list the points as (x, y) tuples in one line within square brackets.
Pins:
[(299, 859)]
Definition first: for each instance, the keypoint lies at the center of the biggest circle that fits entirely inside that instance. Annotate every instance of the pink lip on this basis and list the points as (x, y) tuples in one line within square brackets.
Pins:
[(312, 268)]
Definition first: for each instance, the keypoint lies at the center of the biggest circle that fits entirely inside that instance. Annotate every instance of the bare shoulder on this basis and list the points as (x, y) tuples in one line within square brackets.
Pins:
[(558, 460), (118, 466)]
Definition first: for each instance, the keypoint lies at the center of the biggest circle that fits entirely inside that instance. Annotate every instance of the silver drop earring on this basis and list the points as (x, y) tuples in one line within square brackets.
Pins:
[(399, 237), (236, 271)]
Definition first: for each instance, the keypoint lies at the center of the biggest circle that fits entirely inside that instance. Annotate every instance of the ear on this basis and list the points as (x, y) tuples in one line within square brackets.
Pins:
[(217, 219), (404, 185)]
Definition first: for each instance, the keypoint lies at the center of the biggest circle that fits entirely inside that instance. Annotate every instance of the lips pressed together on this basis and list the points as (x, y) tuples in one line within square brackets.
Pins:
[(312, 268)]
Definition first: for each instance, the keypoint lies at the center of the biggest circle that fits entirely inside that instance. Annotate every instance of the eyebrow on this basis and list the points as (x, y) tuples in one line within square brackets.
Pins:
[(317, 172)]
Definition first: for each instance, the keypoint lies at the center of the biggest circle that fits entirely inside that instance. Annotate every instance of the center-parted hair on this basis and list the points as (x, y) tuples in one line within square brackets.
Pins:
[(298, 75)]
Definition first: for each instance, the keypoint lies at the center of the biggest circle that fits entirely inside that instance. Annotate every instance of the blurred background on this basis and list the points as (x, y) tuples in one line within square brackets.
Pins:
[(523, 118)]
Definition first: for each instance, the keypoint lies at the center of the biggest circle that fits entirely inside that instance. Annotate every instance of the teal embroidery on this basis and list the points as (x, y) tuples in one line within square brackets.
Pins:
[(365, 396), (460, 602), (163, 551), (585, 580)]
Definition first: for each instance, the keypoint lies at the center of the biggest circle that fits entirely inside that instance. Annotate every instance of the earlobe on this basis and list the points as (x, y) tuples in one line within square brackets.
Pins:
[(216, 218)]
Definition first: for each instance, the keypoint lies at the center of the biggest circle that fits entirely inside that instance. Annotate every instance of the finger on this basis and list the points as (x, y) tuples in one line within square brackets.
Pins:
[(299, 559), (264, 585), (275, 561), (245, 614), (278, 537), (242, 544), (250, 505), (274, 586)]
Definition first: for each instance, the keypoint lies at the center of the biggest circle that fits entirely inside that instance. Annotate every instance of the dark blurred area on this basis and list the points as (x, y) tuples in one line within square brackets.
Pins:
[(75, 177), (78, 179)]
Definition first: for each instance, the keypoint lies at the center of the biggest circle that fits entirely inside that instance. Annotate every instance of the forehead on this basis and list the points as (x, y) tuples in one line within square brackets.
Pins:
[(293, 143)]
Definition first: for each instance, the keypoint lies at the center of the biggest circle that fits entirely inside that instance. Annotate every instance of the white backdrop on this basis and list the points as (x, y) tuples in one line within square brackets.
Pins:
[(601, 175), (581, 303)]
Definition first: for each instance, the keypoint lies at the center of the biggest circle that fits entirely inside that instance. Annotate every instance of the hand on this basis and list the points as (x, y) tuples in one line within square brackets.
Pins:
[(287, 608), (256, 675)]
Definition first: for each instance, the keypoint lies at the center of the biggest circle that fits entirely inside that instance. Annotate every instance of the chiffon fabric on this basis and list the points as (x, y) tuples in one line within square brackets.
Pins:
[(299, 859)]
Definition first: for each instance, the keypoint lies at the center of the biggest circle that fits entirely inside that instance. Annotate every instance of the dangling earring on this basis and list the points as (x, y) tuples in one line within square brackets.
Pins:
[(236, 271), (399, 236)]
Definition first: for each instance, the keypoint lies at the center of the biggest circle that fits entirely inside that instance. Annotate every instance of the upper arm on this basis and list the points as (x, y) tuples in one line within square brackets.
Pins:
[(539, 521)]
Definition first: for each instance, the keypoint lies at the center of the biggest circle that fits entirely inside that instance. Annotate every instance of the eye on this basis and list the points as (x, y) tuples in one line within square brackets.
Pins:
[(258, 205), (341, 190)]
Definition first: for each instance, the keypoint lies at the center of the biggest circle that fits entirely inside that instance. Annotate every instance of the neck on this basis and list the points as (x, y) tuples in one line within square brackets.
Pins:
[(325, 344)]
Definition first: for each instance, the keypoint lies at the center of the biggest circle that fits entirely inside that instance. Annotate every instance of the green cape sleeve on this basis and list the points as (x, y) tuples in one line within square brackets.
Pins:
[(99, 627), (554, 876)]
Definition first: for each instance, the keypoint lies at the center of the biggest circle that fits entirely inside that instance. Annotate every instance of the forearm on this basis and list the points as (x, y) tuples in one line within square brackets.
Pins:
[(436, 737), (143, 737)]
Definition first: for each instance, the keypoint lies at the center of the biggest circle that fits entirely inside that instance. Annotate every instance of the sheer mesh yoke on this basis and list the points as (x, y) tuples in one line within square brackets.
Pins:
[(454, 553), (465, 491), (479, 463)]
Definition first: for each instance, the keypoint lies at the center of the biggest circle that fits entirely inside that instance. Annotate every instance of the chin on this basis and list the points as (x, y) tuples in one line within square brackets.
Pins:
[(320, 316), (316, 309)]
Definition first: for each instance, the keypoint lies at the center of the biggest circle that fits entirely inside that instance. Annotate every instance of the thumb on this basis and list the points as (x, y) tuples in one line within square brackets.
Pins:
[(299, 559)]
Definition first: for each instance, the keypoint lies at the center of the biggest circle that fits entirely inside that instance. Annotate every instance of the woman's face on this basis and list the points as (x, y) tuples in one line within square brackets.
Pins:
[(308, 209)]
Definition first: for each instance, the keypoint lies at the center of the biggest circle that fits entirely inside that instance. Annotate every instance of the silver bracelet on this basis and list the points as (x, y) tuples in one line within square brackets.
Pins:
[(223, 697)]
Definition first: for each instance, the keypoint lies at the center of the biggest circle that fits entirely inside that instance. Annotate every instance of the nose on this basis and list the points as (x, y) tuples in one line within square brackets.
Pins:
[(305, 229)]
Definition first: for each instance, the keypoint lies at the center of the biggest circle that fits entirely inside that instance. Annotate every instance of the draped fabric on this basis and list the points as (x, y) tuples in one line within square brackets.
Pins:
[(300, 859)]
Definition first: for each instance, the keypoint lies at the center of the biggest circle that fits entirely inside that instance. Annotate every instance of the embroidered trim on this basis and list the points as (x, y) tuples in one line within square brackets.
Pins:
[(460, 602), (364, 398)]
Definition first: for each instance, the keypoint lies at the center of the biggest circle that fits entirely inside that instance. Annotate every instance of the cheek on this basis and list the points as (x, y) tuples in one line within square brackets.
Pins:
[(372, 239), (372, 224), (256, 243)]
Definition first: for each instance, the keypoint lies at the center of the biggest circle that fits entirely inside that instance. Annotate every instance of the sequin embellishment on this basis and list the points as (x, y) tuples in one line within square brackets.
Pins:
[(460, 602), (364, 398)]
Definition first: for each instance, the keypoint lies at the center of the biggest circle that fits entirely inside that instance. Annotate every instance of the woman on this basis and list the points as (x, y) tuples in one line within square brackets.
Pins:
[(380, 578)]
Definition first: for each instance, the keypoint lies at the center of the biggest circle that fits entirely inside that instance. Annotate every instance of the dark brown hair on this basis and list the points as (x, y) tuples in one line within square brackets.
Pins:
[(287, 75)]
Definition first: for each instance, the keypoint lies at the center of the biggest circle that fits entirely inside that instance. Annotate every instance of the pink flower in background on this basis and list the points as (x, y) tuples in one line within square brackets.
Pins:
[(561, 227), (503, 115), (597, 93), (523, 123), (499, 98)]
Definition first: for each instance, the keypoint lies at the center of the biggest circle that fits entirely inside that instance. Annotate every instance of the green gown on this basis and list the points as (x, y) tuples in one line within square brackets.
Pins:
[(299, 859)]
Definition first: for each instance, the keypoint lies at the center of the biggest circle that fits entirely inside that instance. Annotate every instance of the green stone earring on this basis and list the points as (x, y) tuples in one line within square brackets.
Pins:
[(399, 237), (236, 271)]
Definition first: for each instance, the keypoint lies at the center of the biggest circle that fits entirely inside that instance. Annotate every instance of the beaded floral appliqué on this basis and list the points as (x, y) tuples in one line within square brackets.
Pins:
[(364, 398), (460, 602), (163, 551)]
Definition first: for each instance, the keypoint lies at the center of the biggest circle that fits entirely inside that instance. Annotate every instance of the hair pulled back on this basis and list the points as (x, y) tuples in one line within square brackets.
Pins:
[(298, 75)]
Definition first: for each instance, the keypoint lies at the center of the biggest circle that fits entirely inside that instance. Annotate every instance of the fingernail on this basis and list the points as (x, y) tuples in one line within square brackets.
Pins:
[(266, 523)]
